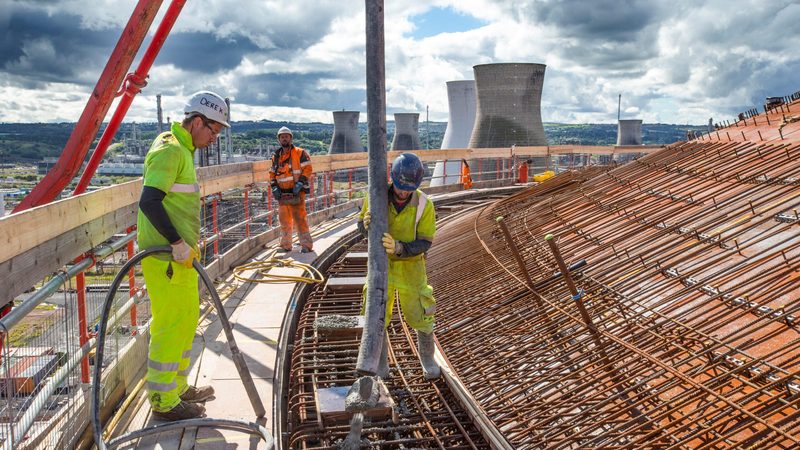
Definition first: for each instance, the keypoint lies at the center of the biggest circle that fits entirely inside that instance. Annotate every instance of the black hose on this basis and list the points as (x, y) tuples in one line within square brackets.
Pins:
[(97, 425)]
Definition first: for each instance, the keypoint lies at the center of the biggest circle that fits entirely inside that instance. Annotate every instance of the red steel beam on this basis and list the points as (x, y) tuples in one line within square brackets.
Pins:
[(69, 163), (133, 85)]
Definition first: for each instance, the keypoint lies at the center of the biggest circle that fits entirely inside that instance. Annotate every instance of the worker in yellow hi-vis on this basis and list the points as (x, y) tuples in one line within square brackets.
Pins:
[(412, 225), (169, 213)]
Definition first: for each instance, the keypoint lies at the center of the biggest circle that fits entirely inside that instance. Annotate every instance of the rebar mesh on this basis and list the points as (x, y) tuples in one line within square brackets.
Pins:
[(427, 414), (691, 285)]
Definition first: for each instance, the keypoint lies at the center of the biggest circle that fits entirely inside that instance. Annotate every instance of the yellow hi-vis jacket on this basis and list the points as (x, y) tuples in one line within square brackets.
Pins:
[(407, 277)]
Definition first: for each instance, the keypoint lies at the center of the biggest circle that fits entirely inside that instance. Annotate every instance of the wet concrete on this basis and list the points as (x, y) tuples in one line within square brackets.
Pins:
[(363, 395), (336, 321)]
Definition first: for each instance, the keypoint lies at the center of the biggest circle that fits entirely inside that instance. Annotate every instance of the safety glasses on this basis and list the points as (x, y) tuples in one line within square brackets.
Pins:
[(214, 132)]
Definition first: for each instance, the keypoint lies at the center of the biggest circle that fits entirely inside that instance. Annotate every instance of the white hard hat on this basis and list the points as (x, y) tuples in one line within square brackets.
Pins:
[(210, 105), (285, 130)]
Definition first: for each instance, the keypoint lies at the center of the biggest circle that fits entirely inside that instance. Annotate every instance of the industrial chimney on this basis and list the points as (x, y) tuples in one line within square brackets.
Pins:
[(406, 132), (159, 114), (461, 100), (629, 132), (228, 138), (509, 102), (346, 137)]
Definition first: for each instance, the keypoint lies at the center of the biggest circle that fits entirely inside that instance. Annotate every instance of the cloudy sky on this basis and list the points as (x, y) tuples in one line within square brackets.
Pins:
[(676, 61)]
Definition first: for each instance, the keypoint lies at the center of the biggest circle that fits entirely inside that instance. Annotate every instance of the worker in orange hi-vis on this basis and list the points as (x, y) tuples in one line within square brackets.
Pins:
[(289, 175), (466, 178), (523, 171)]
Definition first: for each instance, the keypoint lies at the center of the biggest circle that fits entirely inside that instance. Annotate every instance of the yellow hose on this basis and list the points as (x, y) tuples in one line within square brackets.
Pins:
[(109, 427), (261, 272)]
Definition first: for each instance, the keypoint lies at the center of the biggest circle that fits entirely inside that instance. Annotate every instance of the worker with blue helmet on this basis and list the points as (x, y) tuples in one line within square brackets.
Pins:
[(412, 225)]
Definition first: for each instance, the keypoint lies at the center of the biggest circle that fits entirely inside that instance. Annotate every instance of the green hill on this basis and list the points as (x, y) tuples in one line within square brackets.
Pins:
[(29, 142)]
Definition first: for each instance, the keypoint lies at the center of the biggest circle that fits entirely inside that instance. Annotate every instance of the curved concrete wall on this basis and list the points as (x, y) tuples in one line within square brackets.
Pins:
[(406, 132), (509, 105), (346, 138), (629, 132), (462, 102)]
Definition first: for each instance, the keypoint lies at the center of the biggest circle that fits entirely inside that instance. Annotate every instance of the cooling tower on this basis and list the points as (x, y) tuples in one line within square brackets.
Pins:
[(629, 132), (509, 102), (406, 132), (451, 176), (346, 138), (462, 101)]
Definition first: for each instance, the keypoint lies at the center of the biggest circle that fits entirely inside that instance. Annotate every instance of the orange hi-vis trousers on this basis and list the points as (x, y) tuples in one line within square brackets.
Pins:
[(292, 216)]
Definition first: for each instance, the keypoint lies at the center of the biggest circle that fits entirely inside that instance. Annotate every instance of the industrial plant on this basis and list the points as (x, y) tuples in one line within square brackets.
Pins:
[(499, 292)]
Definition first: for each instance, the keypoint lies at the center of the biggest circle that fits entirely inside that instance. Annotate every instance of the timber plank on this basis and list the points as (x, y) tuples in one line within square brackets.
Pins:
[(22, 231), (224, 170), (237, 180), (21, 271)]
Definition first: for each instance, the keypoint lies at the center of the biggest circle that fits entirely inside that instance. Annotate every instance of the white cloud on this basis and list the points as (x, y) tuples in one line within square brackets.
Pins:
[(674, 61)]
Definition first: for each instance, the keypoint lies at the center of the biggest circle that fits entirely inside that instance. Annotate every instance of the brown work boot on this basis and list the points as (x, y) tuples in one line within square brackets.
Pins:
[(306, 250), (197, 394), (181, 411)]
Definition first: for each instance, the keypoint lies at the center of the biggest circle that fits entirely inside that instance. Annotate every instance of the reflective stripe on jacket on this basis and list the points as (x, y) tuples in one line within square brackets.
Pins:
[(289, 167)]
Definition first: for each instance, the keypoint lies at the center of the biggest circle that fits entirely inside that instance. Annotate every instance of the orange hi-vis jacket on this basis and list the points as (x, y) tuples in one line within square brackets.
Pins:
[(466, 178), (523, 173), (289, 167)]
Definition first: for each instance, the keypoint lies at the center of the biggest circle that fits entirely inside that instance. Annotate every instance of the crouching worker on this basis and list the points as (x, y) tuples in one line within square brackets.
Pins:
[(169, 213), (412, 224)]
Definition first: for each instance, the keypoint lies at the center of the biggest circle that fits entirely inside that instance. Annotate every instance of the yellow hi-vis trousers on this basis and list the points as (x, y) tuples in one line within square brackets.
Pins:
[(408, 283), (175, 309)]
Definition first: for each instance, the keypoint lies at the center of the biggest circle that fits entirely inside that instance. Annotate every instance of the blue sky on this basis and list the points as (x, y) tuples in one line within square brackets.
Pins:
[(676, 61), (442, 20)]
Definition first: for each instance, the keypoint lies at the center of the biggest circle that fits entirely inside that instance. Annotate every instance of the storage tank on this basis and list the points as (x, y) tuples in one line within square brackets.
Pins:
[(629, 132), (406, 132), (509, 105), (346, 137)]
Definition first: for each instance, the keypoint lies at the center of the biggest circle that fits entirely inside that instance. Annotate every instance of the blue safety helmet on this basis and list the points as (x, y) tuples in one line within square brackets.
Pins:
[(407, 172)]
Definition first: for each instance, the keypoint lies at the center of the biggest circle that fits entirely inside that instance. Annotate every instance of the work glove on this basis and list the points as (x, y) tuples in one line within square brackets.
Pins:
[(183, 254), (297, 188), (366, 220), (276, 192), (392, 246)]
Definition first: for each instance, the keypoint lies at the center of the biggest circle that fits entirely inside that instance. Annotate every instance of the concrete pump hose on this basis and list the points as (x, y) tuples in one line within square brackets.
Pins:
[(97, 426)]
